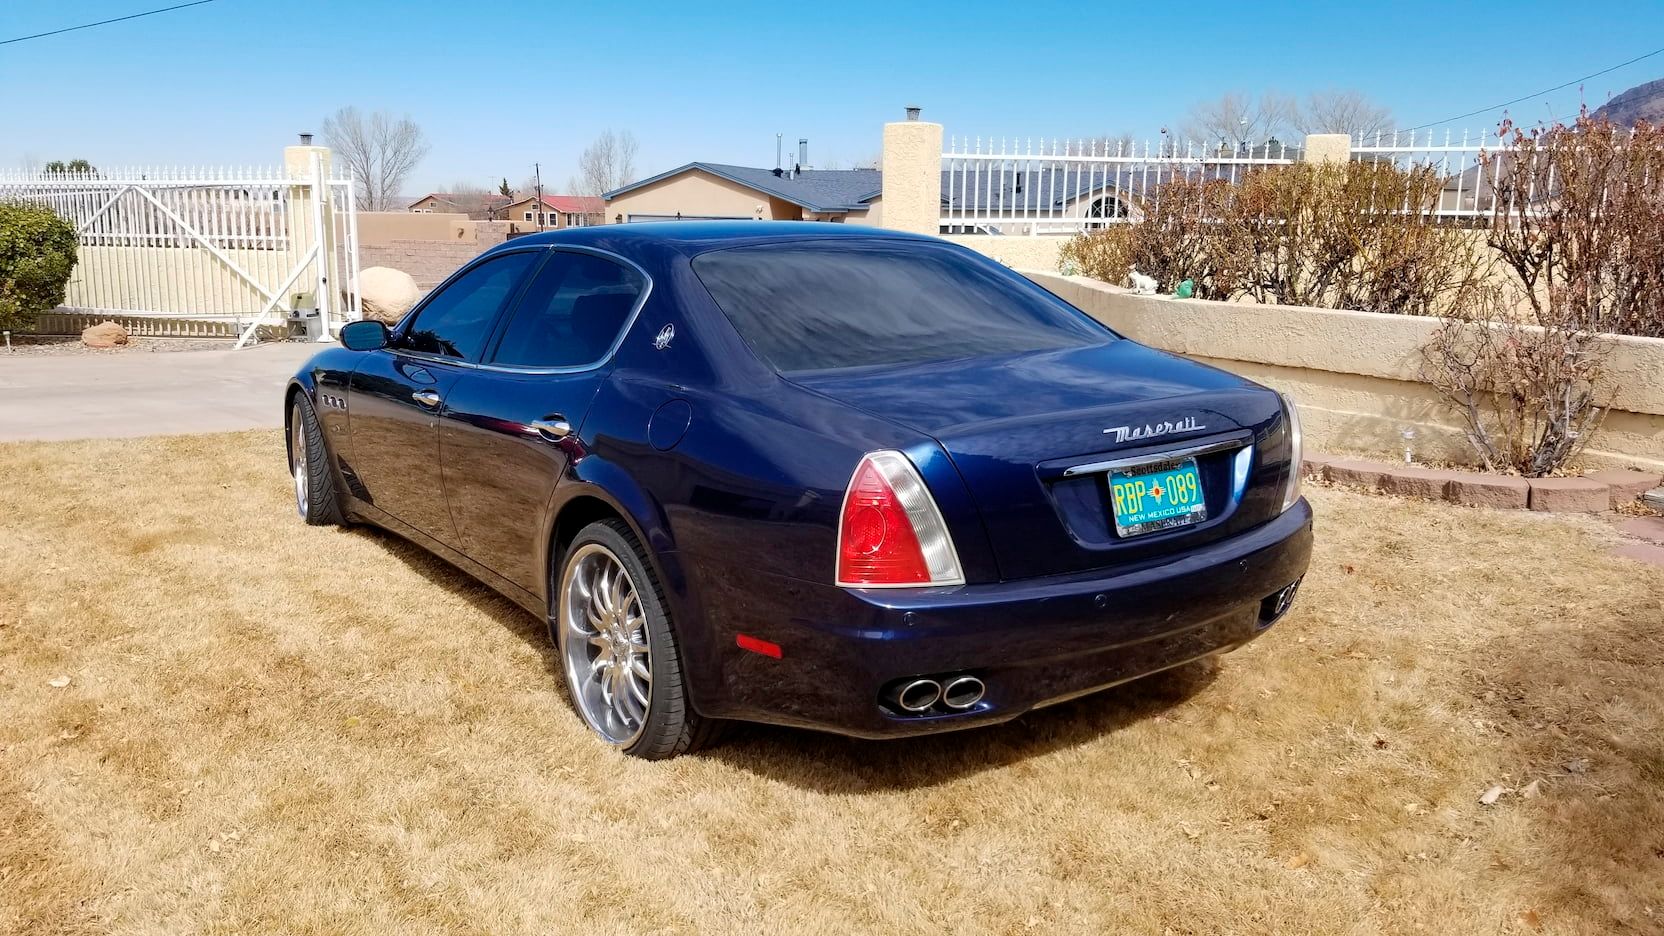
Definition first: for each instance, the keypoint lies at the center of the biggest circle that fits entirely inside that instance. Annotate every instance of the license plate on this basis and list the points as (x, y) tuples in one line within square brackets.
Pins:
[(1157, 496)]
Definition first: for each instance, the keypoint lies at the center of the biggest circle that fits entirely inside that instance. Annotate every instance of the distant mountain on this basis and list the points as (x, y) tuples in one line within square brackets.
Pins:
[(1642, 102)]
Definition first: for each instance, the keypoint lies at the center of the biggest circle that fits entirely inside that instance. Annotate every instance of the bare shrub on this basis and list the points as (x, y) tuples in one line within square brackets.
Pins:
[(1353, 236), (1527, 393), (1350, 236), (1104, 254), (1175, 240), (1580, 222)]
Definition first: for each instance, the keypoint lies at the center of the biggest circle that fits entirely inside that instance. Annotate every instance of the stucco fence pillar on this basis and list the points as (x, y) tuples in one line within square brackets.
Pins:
[(912, 163), (310, 166), (1328, 148)]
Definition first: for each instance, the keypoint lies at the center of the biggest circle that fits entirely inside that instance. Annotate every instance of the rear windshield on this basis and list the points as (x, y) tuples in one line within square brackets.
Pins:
[(824, 304)]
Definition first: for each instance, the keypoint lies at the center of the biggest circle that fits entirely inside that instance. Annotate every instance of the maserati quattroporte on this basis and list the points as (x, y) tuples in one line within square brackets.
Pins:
[(811, 474)]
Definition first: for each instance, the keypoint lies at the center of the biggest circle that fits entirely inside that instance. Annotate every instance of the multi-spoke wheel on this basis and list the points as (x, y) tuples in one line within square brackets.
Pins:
[(608, 658), (309, 467), (618, 649)]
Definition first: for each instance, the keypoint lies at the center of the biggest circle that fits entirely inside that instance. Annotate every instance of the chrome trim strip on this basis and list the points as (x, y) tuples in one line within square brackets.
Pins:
[(1116, 464)]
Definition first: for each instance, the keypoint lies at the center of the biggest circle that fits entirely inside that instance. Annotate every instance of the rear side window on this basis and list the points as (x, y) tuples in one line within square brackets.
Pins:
[(571, 313), (817, 305), (458, 319)]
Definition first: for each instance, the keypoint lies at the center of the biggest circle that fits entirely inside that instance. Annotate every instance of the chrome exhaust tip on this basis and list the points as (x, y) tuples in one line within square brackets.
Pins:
[(962, 692), (919, 695)]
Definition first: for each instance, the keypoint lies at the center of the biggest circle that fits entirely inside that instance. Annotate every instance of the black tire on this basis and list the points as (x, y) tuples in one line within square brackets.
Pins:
[(671, 726), (316, 500)]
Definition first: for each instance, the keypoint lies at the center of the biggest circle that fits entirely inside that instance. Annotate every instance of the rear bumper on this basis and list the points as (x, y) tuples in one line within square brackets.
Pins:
[(1033, 642)]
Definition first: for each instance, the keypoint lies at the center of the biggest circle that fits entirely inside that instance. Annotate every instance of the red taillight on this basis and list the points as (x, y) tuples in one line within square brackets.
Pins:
[(890, 533)]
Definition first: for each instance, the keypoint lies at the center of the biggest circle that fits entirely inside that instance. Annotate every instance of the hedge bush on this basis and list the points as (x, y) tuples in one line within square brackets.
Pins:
[(37, 253), (1356, 236)]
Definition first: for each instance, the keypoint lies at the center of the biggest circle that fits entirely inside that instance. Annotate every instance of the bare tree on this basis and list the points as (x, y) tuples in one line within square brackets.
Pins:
[(1235, 120), (1337, 111), (379, 150), (475, 201), (606, 164)]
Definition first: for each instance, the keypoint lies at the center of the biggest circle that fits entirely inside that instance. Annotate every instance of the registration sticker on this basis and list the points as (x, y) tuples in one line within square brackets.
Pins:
[(1157, 496)]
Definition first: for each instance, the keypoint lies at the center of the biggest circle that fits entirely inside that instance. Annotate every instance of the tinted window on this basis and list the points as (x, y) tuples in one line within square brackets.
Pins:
[(458, 319), (812, 305), (572, 312)]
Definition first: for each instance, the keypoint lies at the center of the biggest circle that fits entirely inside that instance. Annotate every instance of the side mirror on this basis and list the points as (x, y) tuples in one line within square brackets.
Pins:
[(367, 335)]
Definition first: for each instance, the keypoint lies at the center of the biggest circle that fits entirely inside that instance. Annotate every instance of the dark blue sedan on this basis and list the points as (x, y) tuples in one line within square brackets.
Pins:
[(808, 474)]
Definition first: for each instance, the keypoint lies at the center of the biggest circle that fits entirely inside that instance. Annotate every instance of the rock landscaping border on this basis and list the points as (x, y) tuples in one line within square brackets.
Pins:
[(1596, 492)]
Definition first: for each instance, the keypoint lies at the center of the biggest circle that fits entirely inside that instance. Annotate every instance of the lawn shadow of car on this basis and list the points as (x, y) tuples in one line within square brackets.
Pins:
[(829, 763)]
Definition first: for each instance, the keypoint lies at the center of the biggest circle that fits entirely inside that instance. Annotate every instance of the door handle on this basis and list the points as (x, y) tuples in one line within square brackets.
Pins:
[(553, 427), (427, 398)]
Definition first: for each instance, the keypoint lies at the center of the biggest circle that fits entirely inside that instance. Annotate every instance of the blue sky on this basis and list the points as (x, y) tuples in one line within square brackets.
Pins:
[(499, 84)]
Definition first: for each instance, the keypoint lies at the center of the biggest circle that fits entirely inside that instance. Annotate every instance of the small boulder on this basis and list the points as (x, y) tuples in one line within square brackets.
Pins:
[(104, 335), (386, 294)]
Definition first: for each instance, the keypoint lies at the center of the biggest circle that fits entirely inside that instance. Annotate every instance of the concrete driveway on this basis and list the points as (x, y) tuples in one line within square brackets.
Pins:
[(84, 396)]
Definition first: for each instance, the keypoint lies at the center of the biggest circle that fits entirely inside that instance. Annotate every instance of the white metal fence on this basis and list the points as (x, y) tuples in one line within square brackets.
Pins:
[(1470, 165), (1024, 186), (238, 246)]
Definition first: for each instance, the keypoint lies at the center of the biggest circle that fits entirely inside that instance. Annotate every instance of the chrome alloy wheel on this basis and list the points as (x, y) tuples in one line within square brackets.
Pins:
[(298, 461), (604, 644)]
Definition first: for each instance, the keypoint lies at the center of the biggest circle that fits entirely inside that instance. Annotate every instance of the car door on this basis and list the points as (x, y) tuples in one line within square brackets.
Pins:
[(397, 392), (510, 426)]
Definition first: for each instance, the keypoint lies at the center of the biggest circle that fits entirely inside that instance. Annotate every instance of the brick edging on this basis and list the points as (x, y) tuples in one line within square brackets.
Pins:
[(1596, 492)]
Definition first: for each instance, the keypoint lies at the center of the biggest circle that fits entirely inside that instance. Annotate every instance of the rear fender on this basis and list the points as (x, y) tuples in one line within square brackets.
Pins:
[(594, 477)]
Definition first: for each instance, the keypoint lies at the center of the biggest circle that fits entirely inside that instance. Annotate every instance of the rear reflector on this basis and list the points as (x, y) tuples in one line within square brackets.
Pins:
[(890, 534), (757, 645)]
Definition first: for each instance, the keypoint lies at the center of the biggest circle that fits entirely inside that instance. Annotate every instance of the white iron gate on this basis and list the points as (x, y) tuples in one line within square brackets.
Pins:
[(244, 247)]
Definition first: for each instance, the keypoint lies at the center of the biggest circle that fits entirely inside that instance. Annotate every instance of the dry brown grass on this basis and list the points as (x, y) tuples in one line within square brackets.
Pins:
[(275, 728)]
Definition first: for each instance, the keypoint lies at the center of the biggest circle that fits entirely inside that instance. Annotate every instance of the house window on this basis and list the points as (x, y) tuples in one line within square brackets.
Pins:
[(1107, 207), (528, 216)]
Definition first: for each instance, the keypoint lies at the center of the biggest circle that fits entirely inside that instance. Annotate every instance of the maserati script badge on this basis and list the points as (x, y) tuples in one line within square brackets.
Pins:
[(1151, 430)]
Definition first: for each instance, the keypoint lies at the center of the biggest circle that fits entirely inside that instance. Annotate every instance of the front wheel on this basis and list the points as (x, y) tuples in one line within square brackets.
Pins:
[(618, 650), (315, 498)]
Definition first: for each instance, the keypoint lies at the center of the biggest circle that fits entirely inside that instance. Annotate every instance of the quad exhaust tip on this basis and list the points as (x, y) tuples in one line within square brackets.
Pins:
[(919, 695), (962, 692)]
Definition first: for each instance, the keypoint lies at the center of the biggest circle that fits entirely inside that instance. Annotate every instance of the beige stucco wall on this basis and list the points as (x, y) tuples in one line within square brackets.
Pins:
[(697, 193), (384, 227), (1355, 374), (1025, 252)]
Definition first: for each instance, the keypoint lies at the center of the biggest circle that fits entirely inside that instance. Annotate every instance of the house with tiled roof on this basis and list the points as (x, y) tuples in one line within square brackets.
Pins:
[(555, 212)]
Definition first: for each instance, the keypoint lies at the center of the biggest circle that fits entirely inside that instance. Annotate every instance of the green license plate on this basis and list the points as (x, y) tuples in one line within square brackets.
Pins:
[(1157, 496)]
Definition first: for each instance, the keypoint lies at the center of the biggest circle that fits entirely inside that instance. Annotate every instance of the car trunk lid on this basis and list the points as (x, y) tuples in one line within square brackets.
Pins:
[(1024, 432)]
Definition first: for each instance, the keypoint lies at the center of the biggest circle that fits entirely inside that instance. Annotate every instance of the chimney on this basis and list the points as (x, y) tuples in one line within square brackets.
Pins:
[(306, 139), (912, 112), (802, 152), (777, 162)]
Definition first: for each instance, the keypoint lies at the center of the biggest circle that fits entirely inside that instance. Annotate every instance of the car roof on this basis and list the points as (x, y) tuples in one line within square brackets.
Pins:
[(696, 237)]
